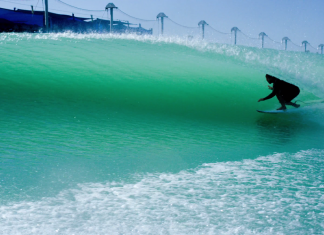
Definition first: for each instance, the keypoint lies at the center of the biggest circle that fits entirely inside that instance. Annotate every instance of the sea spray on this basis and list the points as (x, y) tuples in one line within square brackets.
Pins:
[(275, 194)]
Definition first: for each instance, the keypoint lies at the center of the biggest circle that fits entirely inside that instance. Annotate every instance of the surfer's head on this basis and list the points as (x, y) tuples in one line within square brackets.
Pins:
[(270, 78)]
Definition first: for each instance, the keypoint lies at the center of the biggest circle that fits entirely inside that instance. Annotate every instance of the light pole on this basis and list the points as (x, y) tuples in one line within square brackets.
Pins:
[(305, 44), (111, 6), (202, 23), (285, 39), (234, 29), (262, 34), (161, 15)]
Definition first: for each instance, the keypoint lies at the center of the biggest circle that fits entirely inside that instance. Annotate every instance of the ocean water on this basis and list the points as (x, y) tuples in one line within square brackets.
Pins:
[(124, 134)]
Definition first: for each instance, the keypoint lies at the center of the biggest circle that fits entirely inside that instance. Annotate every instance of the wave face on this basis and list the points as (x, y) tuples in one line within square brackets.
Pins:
[(79, 112)]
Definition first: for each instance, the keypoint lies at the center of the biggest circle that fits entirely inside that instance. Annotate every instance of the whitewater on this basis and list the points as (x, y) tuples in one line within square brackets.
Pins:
[(129, 134)]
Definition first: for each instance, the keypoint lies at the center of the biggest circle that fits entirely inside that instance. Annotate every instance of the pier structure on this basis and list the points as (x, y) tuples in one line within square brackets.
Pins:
[(34, 21), (111, 6), (202, 23), (262, 35), (161, 15)]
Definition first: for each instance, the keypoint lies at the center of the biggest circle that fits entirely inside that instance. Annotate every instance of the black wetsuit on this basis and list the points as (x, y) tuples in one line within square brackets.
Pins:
[(284, 91)]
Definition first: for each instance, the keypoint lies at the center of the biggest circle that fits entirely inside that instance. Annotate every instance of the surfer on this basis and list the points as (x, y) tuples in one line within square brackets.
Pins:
[(284, 91)]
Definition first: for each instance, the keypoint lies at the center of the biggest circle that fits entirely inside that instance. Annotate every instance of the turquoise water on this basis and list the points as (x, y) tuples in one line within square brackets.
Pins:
[(144, 135)]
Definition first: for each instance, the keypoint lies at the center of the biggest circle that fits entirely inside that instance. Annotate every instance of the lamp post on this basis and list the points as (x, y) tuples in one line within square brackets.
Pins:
[(285, 39), (202, 23), (234, 29), (305, 44), (161, 15), (262, 34), (111, 6)]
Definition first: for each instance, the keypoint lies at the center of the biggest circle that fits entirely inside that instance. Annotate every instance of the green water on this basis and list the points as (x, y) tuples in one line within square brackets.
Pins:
[(141, 134)]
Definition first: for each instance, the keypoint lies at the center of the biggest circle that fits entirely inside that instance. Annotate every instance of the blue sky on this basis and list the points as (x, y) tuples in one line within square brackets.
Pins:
[(298, 19)]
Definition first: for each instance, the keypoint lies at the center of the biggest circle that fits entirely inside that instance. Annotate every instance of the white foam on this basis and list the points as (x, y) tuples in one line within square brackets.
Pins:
[(276, 194)]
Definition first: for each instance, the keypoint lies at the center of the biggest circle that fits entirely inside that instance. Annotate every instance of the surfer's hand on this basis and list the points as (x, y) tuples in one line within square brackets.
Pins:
[(270, 87), (261, 99)]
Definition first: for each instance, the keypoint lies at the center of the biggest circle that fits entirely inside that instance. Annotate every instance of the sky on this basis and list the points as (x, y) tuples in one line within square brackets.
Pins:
[(297, 19)]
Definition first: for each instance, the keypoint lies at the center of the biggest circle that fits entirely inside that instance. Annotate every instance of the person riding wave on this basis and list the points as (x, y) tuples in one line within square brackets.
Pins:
[(284, 91)]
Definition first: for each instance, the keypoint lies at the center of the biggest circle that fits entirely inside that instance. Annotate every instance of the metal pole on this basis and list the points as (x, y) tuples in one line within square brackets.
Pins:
[(321, 49), (46, 16), (161, 15), (203, 31), (111, 19), (235, 37), (285, 45), (111, 6), (262, 40)]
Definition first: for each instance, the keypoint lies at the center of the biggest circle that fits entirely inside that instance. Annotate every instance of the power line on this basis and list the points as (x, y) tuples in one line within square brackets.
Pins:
[(248, 36), (217, 30), (37, 4), (273, 40), (133, 16), (15, 2), (40, 7), (78, 7), (312, 46), (295, 44), (182, 25)]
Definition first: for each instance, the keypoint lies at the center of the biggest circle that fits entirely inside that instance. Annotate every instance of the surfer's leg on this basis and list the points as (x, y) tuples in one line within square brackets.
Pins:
[(290, 96), (281, 101), (293, 104)]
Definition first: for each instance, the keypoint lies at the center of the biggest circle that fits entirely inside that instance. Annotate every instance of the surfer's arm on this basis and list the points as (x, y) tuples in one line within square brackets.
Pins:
[(273, 93)]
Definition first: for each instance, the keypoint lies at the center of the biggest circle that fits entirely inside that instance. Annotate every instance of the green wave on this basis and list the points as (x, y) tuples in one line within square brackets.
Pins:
[(90, 108), (167, 76)]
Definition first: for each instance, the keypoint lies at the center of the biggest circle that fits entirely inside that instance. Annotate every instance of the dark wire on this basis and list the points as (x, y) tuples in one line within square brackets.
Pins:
[(217, 30), (182, 25), (273, 40), (78, 7), (248, 36), (133, 16)]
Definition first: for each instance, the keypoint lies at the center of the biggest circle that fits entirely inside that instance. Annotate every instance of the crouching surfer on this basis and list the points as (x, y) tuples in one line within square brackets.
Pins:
[(284, 91)]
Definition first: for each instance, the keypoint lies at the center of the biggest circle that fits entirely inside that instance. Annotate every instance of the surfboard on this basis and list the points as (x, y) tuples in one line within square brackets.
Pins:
[(276, 111), (306, 103)]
